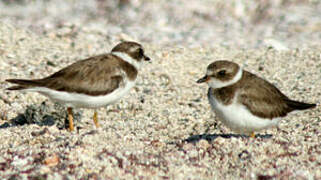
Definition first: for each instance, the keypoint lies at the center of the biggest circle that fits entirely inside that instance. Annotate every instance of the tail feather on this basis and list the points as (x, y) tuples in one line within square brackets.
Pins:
[(22, 84), (296, 105)]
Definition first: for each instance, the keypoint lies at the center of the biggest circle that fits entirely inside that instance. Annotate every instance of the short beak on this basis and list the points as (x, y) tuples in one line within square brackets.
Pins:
[(146, 58), (203, 79)]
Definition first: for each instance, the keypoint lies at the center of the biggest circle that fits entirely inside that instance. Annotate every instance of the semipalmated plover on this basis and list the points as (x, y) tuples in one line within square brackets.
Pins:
[(245, 102), (90, 83)]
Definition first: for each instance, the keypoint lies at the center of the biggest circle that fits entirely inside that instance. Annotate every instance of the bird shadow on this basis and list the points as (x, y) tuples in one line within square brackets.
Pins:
[(211, 137), (42, 115)]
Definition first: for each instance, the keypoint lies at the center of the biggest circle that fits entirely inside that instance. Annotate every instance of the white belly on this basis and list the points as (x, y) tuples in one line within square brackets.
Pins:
[(81, 100), (238, 118)]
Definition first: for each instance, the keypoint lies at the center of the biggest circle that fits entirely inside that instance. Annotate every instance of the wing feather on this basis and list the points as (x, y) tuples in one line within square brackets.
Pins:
[(97, 75), (262, 98)]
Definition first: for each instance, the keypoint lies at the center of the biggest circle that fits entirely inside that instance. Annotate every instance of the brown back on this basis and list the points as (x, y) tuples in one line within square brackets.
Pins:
[(259, 96)]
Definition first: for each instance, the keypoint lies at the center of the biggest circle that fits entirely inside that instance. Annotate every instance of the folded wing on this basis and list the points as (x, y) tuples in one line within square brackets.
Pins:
[(265, 100), (97, 75)]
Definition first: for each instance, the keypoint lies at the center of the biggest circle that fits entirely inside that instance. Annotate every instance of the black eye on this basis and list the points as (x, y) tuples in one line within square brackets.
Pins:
[(222, 73), (141, 52)]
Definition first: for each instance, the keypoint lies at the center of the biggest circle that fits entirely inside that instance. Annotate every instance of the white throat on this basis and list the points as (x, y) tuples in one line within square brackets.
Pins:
[(127, 58), (215, 83)]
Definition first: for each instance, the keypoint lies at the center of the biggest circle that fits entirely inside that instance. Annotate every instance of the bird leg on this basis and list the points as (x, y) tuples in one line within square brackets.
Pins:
[(95, 119), (71, 119), (252, 135)]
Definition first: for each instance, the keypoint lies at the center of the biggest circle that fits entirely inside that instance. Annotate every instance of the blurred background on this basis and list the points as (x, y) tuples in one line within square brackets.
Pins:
[(281, 24)]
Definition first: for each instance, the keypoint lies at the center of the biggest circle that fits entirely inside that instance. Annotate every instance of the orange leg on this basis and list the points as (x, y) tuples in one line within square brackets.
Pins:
[(252, 135), (71, 119), (95, 118)]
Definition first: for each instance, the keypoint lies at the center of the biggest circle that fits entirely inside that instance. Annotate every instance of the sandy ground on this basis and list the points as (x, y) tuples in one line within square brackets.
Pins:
[(164, 128)]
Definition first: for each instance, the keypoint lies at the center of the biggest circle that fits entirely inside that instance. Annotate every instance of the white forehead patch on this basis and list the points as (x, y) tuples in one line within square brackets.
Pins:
[(209, 72)]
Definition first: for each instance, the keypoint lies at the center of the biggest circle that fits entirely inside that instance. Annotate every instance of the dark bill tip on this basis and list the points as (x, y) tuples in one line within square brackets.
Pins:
[(146, 58), (203, 79)]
